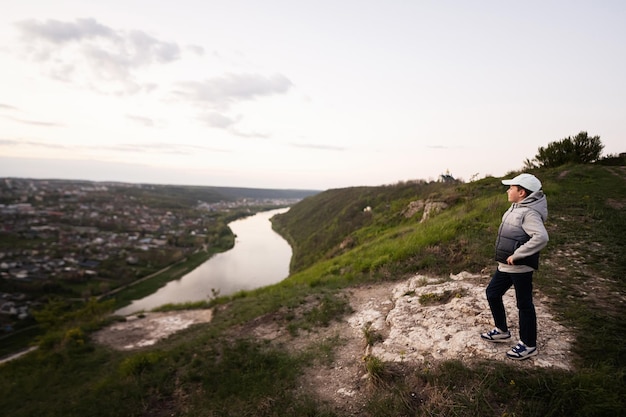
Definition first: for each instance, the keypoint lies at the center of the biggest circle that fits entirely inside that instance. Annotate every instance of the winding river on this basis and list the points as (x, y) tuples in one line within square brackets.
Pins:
[(260, 257)]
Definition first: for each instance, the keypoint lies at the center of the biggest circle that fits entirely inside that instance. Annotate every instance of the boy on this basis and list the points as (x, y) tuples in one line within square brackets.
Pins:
[(521, 236)]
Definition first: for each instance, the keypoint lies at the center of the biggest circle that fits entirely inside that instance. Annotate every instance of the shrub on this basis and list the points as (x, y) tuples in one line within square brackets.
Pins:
[(580, 149), (137, 364), (74, 337), (375, 368)]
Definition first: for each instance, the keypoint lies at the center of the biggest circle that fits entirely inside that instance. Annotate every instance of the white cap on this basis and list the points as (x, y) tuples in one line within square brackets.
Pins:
[(528, 181)]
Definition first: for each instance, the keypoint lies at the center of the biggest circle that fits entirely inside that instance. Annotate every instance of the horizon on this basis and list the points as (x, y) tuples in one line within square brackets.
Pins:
[(165, 184), (107, 179), (314, 95)]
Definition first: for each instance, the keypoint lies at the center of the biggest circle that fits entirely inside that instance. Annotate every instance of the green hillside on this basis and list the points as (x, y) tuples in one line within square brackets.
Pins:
[(372, 218), (347, 238)]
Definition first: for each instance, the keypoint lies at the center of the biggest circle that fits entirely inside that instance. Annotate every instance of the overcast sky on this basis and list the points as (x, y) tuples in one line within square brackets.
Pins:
[(303, 94)]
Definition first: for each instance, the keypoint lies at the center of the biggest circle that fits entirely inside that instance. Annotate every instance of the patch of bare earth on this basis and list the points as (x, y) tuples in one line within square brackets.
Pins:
[(147, 329), (446, 325)]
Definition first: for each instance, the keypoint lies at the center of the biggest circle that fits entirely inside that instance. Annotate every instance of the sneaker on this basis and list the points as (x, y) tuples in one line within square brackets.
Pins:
[(521, 351), (496, 335)]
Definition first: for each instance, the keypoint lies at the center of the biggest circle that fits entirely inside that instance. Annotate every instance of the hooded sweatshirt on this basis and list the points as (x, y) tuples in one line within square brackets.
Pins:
[(522, 234)]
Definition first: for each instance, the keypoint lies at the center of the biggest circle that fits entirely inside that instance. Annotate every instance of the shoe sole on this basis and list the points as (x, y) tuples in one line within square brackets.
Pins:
[(508, 339), (521, 358)]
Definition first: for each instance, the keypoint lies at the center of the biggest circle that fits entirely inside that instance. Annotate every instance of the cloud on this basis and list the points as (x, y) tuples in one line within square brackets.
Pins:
[(7, 107), (34, 122), (145, 50), (38, 144), (228, 89), (196, 49), (243, 134), (221, 121), (58, 32), (91, 54), (144, 121), (218, 120)]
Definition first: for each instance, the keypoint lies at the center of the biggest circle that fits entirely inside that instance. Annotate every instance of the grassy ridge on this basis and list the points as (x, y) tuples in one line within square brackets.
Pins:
[(213, 371), (385, 241)]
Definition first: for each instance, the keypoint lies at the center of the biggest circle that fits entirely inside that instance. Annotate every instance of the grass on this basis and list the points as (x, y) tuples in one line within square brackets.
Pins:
[(371, 336), (211, 370), (192, 305), (441, 298), (18, 340)]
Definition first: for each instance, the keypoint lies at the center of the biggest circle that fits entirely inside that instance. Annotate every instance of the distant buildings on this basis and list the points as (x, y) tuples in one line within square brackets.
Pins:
[(446, 177)]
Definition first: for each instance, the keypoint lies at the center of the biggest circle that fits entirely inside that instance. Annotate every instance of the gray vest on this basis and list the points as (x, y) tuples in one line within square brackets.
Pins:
[(511, 236)]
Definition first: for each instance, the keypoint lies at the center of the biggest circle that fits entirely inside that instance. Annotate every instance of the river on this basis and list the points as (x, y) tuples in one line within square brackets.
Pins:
[(260, 257)]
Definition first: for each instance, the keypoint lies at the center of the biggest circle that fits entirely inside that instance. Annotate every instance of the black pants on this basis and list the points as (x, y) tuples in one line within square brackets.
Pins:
[(523, 284)]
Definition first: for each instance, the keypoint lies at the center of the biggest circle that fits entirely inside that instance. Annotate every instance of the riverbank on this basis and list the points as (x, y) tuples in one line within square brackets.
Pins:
[(147, 285), (259, 257), (150, 284)]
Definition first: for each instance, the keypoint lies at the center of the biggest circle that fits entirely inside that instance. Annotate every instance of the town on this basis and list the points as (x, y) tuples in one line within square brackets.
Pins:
[(80, 239)]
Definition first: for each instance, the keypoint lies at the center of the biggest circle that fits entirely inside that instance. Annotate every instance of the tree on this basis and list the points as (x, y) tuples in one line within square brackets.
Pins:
[(580, 149)]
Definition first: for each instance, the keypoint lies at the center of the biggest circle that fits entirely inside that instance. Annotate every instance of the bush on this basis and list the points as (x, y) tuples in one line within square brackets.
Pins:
[(581, 149), (139, 363)]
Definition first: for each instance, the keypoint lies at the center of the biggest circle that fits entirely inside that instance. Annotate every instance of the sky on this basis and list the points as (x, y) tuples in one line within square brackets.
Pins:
[(303, 94)]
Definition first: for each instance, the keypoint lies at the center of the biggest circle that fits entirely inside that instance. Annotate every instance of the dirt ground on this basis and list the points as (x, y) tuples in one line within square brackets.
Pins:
[(408, 331), (148, 328)]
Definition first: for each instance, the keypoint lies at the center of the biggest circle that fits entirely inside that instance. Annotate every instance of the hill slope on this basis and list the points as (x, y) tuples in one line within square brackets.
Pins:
[(302, 346)]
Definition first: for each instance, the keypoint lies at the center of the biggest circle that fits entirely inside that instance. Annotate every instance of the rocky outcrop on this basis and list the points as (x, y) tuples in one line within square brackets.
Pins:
[(427, 207), (429, 319)]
